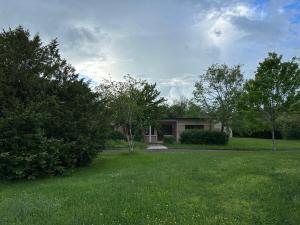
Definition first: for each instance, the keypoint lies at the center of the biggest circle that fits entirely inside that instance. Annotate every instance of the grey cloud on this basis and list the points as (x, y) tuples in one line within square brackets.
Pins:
[(161, 40)]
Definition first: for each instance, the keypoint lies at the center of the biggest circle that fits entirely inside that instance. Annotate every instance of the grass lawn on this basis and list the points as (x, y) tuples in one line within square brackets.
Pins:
[(163, 188), (120, 144), (245, 144)]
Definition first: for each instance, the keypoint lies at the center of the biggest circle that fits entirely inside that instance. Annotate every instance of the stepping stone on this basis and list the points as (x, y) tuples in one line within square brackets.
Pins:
[(156, 147)]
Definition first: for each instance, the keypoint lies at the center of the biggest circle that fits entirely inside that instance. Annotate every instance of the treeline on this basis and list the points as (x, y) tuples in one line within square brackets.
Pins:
[(267, 106)]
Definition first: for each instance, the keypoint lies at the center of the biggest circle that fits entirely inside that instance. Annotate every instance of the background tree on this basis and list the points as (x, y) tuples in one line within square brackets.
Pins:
[(289, 121), (133, 105), (181, 108), (218, 91), (274, 89), (50, 120)]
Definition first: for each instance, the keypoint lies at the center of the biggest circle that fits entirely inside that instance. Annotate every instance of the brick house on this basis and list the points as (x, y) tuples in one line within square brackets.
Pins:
[(176, 126)]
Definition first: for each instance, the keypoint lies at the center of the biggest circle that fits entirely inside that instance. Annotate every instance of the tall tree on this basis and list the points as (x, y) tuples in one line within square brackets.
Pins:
[(218, 91), (275, 87), (49, 119), (134, 104)]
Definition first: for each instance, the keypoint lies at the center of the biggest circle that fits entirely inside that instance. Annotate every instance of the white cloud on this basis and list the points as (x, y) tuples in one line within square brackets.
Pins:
[(170, 42)]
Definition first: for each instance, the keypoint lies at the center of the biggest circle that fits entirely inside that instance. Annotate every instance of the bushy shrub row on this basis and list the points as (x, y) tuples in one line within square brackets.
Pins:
[(26, 151), (195, 136), (168, 139), (116, 135), (291, 130), (265, 134)]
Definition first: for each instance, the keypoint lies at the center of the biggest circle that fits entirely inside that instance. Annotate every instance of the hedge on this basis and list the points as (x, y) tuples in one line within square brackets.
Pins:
[(26, 152), (169, 139), (203, 137)]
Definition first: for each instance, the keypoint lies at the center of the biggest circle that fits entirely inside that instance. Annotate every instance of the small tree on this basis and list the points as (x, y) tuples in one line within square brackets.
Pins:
[(275, 87), (218, 90), (133, 105)]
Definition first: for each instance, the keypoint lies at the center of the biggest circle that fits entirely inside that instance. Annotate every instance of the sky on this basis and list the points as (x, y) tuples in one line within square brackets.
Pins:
[(170, 42)]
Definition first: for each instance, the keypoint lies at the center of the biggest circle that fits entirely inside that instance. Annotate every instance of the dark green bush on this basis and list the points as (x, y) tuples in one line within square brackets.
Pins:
[(25, 151), (169, 139), (116, 135), (203, 137), (291, 130), (139, 137), (50, 120)]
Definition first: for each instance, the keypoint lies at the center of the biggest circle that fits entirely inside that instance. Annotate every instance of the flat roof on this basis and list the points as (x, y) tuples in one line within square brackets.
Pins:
[(185, 118)]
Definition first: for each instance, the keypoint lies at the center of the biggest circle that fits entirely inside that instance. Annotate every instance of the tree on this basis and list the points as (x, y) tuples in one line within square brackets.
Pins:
[(133, 105), (181, 108), (275, 87), (218, 91), (50, 120), (289, 121)]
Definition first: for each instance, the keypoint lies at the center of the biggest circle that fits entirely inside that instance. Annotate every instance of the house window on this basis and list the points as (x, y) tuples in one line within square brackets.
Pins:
[(200, 127), (167, 129), (147, 131)]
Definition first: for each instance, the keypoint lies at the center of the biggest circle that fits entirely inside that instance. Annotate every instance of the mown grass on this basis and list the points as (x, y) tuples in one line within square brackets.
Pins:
[(163, 188), (121, 144), (244, 144)]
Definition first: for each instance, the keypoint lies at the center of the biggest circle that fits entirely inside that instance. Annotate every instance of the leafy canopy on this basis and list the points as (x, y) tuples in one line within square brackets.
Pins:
[(50, 120), (218, 90)]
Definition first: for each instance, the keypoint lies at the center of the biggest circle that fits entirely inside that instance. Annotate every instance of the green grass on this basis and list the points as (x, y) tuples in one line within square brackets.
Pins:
[(244, 144), (120, 144), (202, 187)]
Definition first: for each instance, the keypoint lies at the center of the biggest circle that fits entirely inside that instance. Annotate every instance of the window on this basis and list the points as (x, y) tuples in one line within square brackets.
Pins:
[(147, 131), (167, 129), (200, 127)]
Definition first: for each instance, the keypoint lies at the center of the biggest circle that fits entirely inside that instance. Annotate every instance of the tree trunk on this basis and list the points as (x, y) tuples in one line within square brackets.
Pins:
[(273, 137), (130, 139), (222, 127)]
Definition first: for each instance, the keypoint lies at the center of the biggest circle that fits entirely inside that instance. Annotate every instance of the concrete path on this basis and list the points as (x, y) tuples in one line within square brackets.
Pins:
[(156, 147)]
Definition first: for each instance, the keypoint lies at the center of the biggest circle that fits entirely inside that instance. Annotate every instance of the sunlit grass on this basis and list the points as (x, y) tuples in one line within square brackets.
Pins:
[(158, 188), (245, 144)]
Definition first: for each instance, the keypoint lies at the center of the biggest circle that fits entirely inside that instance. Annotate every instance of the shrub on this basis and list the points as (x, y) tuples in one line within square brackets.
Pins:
[(291, 130), (203, 137), (50, 120), (139, 137), (116, 135), (168, 139), (26, 152), (265, 134)]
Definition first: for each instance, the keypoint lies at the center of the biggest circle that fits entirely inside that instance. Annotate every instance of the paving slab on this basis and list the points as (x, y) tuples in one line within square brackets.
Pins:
[(156, 147)]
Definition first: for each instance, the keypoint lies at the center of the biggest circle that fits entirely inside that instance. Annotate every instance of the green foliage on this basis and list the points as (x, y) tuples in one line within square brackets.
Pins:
[(275, 87), (139, 136), (116, 135), (289, 122), (133, 104), (291, 130), (195, 136), (181, 108), (25, 151), (218, 91), (49, 119), (168, 139)]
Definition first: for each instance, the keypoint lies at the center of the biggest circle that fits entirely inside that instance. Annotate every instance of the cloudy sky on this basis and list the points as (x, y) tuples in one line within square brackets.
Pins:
[(169, 42)]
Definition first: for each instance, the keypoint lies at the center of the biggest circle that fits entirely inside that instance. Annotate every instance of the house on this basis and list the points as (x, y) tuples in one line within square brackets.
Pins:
[(176, 126)]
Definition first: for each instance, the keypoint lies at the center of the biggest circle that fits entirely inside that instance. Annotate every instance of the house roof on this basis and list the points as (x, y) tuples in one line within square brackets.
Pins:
[(186, 118)]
